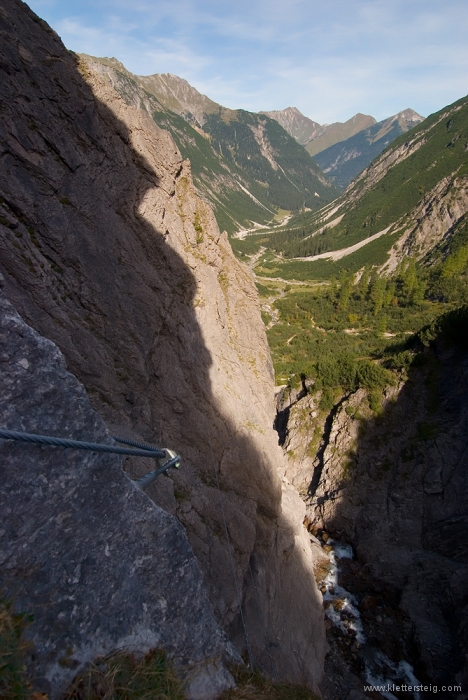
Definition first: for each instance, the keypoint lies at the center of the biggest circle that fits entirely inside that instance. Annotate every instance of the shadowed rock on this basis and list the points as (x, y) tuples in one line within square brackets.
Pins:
[(107, 251), (88, 554)]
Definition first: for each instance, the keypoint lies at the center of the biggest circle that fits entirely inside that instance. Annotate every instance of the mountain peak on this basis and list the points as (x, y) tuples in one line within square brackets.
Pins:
[(296, 124), (409, 115)]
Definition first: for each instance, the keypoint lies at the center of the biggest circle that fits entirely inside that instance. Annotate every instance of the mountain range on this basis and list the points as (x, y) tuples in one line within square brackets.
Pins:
[(255, 168), (314, 136), (410, 200), (343, 150), (244, 164), (343, 161)]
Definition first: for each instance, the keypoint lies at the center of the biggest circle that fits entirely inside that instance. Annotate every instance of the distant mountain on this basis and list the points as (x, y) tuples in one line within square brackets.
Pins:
[(346, 159), (411, 201), (244, 164), (339, 131), (296, 124), (314, 136)]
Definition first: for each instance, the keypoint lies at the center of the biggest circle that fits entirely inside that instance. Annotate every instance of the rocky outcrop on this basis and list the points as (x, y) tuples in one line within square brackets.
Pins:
[(300, 425), (432, 221), (296, 124), (107, 251), (81, 548)]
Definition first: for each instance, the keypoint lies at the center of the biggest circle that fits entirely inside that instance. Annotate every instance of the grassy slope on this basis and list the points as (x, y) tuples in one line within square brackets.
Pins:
[(442, 153)]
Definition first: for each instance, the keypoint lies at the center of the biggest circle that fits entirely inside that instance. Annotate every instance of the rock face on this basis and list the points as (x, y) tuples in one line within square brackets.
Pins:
[(394, 486), (96, 562), (299, 423), (296, 124), (107, 251), (432, 221)]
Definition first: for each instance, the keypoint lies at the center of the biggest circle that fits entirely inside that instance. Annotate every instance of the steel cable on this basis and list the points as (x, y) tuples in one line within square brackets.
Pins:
[(147, 451)]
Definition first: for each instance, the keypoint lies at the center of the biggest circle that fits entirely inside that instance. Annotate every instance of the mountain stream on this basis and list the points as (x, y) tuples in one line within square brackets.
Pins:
[(342, 609)]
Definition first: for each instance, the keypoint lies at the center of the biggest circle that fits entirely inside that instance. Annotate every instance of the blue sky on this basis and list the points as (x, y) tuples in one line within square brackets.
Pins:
[(330, 59)]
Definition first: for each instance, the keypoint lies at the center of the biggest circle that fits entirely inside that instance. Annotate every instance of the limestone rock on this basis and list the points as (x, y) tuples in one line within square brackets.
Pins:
[(107, 251), (81, 548), (299, 423)]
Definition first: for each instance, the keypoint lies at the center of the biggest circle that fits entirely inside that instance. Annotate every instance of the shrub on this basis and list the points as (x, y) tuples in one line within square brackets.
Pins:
[(450, 328), (121, 676), (372, 376), (13, 680)]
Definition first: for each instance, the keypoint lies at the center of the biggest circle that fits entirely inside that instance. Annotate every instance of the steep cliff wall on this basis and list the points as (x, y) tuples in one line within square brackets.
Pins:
[(394, 484), (98, 565), (107, 251)]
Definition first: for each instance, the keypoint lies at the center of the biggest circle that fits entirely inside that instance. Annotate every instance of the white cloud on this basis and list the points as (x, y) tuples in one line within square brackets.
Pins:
[(330, 60), (171, 56)]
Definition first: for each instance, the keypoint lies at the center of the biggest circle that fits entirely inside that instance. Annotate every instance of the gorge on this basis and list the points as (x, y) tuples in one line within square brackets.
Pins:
[(124, 311)]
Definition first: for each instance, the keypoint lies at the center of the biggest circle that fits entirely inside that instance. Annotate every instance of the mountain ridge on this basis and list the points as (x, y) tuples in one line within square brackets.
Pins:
[(339, 131), (244, 164), (300, 127), (317, 137), (346, 159)]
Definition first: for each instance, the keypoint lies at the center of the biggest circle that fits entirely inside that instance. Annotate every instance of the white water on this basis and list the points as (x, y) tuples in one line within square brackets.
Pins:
[(400, 673), (341, 608), (340, 605)]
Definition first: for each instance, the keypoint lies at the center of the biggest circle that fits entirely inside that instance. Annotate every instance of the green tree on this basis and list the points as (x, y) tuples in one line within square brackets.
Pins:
[(377, 293), (389, 293), (363, 284)]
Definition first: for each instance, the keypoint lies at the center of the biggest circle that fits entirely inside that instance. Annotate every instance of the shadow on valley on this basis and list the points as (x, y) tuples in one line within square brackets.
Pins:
[(394, 485), (89, 234)]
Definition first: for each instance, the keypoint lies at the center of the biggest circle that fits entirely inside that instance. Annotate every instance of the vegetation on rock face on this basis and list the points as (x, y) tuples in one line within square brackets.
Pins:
[(13, 681), (446, 267), (122, 676), (254, 686)]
